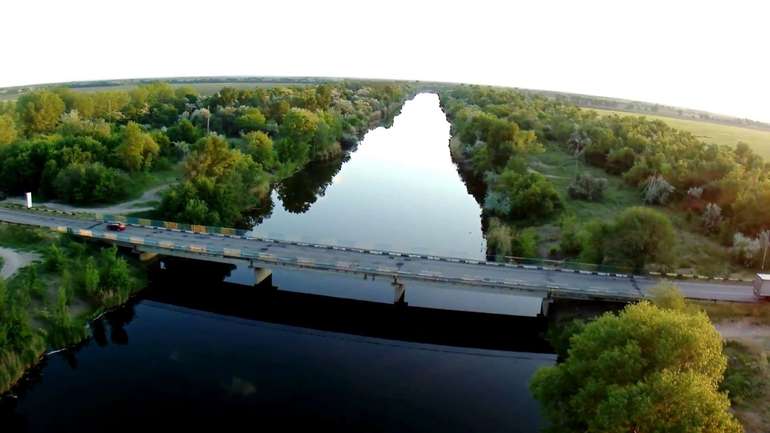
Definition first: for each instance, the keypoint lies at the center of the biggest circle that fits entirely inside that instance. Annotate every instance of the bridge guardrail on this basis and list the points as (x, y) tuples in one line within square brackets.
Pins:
[(522, 262), (195, 228)]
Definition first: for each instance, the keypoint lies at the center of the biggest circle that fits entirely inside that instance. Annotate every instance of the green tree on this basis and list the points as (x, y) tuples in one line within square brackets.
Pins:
[(8, 132), (645, 369), (39, 111), (137, 148), (259, 146), (641, 235), (252, 119), (296, 132)]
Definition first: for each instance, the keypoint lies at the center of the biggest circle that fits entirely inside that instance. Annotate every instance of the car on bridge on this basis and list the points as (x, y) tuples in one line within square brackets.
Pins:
[(116, 226), (762, 285)]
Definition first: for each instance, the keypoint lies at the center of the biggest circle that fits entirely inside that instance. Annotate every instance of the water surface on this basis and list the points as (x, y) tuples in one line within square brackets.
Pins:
[(399, 191)]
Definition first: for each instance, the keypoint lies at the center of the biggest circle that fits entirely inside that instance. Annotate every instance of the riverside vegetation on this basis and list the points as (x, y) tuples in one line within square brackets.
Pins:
[(100, 147), (650, 367), (620, 191), (47, 304)]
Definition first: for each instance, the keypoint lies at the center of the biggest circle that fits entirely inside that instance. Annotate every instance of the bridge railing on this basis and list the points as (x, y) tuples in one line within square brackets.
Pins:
[(195, 228), (540, 262)]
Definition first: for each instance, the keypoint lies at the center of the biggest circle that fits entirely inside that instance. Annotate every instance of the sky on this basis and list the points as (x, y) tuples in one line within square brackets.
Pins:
[(713, 56)]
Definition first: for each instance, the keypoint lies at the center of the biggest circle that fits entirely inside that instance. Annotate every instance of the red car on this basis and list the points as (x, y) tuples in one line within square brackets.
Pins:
[(117, 227)]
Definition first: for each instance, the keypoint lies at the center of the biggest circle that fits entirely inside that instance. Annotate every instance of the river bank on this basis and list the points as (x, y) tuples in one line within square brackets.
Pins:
[(46, 304)]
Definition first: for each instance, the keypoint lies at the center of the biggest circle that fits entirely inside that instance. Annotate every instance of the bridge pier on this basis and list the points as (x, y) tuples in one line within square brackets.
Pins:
[(261, 274), (545, 306), (399, 292)]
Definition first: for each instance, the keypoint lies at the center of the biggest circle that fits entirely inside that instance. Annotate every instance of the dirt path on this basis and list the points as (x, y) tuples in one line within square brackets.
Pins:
[(152, 194), (745, 331), (14, 260)]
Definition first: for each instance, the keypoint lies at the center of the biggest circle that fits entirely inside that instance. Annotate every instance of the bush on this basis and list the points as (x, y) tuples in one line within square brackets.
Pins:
[(504, 240), (587, 187), (517, 195), (85, 183), (569, 242)]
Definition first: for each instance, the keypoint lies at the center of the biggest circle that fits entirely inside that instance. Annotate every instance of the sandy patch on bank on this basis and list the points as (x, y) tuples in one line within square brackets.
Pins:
[(14, 260)]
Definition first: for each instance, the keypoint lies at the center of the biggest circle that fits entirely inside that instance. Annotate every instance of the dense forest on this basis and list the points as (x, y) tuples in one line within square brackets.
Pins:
[(101, 147), (724, 191)]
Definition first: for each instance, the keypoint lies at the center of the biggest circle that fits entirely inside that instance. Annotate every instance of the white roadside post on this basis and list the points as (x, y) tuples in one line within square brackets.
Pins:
[(29, 200)]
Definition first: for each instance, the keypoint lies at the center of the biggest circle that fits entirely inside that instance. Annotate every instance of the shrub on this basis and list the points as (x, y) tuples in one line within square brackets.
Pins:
[(587, 187)]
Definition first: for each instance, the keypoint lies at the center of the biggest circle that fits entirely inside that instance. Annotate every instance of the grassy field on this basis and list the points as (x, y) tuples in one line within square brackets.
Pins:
[(205, 89), (713, 132)]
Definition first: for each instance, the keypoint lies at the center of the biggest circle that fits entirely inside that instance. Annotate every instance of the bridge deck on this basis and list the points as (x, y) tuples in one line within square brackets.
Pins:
[(267, 253)]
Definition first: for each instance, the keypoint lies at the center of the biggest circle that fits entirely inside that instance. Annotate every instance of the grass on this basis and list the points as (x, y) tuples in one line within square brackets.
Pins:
[(560, 168), (25, 238), (754, 313), (747, 382), (696, 253), (205, 89), (39, 287), (710, 132)]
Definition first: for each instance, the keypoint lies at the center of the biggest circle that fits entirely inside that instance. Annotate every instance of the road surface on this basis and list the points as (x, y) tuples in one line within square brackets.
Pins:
[(561, 283)]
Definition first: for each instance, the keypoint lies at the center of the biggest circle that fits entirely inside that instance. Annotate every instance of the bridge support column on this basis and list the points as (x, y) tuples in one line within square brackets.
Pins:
[(261, 274), (399, 292), (146, 257), (545, 306)]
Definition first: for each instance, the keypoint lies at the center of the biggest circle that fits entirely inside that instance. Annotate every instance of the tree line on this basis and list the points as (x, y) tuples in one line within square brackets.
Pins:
[(726, 190), (87, 148)]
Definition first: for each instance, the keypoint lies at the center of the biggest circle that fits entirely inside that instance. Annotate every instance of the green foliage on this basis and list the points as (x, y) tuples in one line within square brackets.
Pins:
[(667, 295), (137, 148), (90, 182), (504, 240), (636, 237), (39, 111), (644, 369), (220, 183), (587, 187), (259, 146), (525, 195), (252, 119), (184, 131), (8, 132), (569, 241), (747, 378), (641, 235)]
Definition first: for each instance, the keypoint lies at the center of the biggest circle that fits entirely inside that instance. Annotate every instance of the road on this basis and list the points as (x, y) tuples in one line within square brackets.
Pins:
[(267, 253), (136, 205)]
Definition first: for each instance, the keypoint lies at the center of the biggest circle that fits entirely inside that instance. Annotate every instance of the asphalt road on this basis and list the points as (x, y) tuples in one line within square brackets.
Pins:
[(566, 284)]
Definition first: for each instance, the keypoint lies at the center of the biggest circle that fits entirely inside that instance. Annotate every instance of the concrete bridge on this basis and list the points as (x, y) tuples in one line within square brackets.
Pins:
[(265, 254)]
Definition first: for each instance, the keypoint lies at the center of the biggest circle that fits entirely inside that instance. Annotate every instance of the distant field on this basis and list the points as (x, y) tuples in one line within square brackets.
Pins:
[(205, 89), (713, 132)]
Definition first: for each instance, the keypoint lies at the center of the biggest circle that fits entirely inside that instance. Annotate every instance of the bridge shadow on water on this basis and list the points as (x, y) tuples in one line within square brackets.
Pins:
[(200, 286)]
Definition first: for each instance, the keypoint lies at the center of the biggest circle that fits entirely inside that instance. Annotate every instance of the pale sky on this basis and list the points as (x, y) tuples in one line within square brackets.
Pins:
[(705, 55)]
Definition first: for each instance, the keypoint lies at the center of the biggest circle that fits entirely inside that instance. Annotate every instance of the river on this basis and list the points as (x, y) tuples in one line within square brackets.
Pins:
[(199, 347)]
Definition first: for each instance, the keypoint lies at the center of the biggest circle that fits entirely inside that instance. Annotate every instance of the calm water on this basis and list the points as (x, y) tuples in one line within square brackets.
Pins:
[(399, 191), (194, 350)]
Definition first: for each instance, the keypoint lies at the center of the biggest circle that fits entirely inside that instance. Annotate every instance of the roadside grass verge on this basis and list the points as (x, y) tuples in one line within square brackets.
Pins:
[(747, 382), (25, 238), (755, 313)]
